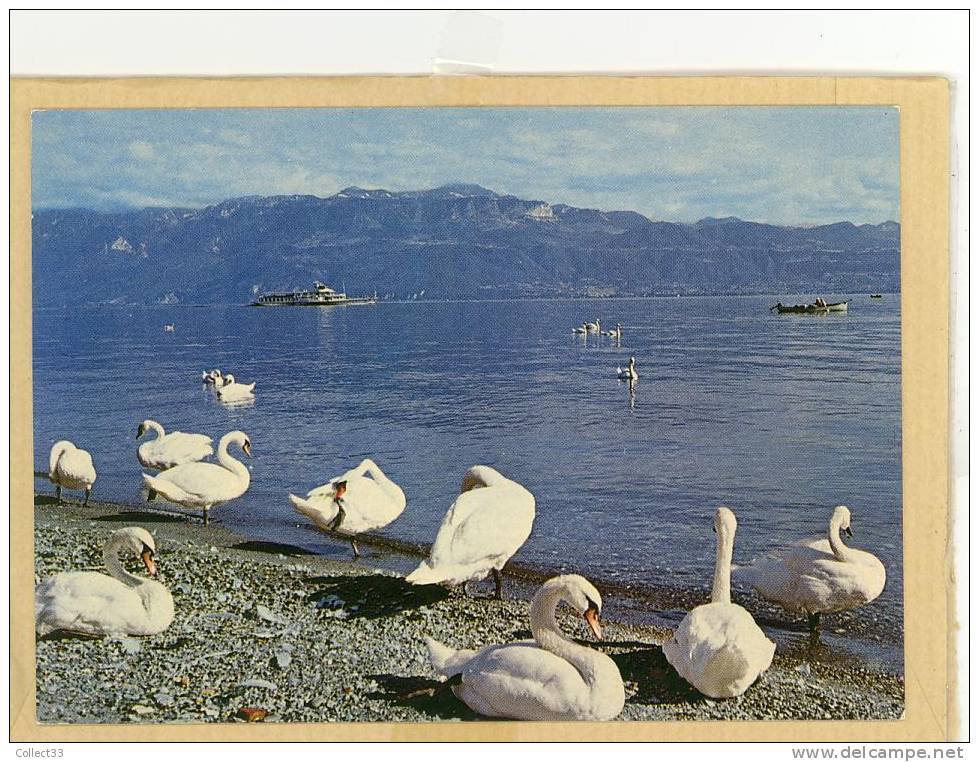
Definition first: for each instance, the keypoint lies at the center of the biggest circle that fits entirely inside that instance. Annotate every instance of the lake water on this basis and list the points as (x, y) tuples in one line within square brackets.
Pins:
[(778, 417)]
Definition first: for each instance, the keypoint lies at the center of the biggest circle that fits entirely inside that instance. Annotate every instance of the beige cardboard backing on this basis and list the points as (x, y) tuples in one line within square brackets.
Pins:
[(924, 122)]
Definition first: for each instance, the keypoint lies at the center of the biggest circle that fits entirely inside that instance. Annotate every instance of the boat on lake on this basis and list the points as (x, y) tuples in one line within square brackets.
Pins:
[(321, 296), (809, 309), (876, 296)]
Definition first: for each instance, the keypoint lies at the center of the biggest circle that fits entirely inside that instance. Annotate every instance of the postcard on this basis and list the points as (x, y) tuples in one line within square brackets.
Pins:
[(401, 408)]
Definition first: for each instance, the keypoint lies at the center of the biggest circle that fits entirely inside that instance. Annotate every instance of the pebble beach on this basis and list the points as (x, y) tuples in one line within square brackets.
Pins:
[(273, 633)]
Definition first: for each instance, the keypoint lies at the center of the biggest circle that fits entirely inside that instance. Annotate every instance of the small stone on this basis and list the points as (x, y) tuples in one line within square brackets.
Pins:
[(257, 682), (268, 615), (163, 699), (283, 659), (142, 709), (130, 645), (252, 713)]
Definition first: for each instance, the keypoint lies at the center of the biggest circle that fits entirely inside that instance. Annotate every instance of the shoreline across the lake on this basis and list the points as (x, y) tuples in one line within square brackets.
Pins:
[(307, 638)]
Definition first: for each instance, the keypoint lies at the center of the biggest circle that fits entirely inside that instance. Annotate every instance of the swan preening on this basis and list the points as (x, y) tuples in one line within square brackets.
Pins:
[(818, 575), (628, 373), (204, 485), (169, 450), (90, 603), (484, 527), (548, 678), (360, 500), (70, 467), (718, 648), (232, 391)]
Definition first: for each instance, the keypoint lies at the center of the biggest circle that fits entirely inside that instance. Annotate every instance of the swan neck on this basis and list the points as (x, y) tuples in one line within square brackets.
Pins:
[(835, 541), (722, 567), (158, 428), (115, 567), (549, 637), (230, 463)]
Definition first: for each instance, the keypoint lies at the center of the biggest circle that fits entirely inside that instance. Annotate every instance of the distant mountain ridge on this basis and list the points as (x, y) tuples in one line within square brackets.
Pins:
[(456, 241)]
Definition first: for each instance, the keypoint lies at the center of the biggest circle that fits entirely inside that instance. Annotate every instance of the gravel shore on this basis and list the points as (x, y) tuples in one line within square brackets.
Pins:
[(310, 639)]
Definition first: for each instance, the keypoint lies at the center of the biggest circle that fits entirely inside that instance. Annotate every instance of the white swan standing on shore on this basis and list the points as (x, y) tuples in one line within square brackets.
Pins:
[(718, 648), (360, 500), (629, 373), (548, 678), (90, 603), (204, 485), (818, 575), (485, 526), (232, 391), (70, 467), (169, 450)]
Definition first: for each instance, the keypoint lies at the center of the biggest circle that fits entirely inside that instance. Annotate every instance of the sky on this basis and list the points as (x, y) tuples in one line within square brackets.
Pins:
[(797, 165)]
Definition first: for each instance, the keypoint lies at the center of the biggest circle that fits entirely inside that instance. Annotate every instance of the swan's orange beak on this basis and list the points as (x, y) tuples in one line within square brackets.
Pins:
[(591, 616), (147, 556), (247, 448)]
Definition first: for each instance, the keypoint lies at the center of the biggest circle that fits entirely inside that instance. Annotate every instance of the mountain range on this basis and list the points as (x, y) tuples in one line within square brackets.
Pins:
[(458, 241)]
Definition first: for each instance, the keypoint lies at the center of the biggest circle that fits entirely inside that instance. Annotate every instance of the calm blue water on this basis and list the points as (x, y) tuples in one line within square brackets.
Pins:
[(779, 417)]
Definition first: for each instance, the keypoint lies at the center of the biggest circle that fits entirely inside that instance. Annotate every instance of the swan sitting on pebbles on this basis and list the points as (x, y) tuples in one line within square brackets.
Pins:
[(548, 678), (90, 603), (818, 575), (718, 648), (70, 467)]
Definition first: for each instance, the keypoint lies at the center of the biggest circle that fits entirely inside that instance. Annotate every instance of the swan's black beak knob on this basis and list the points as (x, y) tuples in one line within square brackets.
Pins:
[(849, 532)]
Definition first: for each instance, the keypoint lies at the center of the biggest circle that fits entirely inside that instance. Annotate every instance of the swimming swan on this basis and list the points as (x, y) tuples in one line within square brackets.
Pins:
[(212, 377), (819, 574), (595, 327), (547, 678), (361, 500), (71, 468), (718, 648), (615, 333), (485, 526), (169, 450), (232, 390), (90, 603), (629, 373), (204, 485)]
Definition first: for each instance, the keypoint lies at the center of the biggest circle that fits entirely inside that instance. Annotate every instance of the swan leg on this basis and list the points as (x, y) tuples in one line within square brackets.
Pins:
[(353, 544), (814, 622), (338, 520), (498, 579), (57, 493), (150, 494), (88, 494), (464, 591), (206, 517)]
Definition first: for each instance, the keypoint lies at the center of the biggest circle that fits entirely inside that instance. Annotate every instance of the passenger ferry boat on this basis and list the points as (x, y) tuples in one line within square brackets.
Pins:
[(321, 296)]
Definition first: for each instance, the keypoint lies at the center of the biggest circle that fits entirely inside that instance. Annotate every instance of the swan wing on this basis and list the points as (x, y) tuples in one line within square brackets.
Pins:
[(88, 603), (719, 649), (175, 449), (524, 682), (484, 528), (319, 509), (75, 469), (368, 505), (208, 483)]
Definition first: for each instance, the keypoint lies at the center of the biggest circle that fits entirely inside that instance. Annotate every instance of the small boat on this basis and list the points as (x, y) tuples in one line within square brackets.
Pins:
[(808, 309), (876, 296)]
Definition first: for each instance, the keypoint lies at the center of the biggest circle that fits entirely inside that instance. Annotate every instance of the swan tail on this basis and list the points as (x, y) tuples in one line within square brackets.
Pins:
[(425, 574), (447, 661), (304, 507), (169, 490)]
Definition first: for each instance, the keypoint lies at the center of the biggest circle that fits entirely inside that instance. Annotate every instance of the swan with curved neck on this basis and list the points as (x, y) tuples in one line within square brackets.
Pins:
[(204, 485), (628, 373), (231, 391), (548, 678), (169, 450), (361, 500), (212, 377), (489, 522), (718, 648), (90, 603), (818, 575), (70, 467)]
